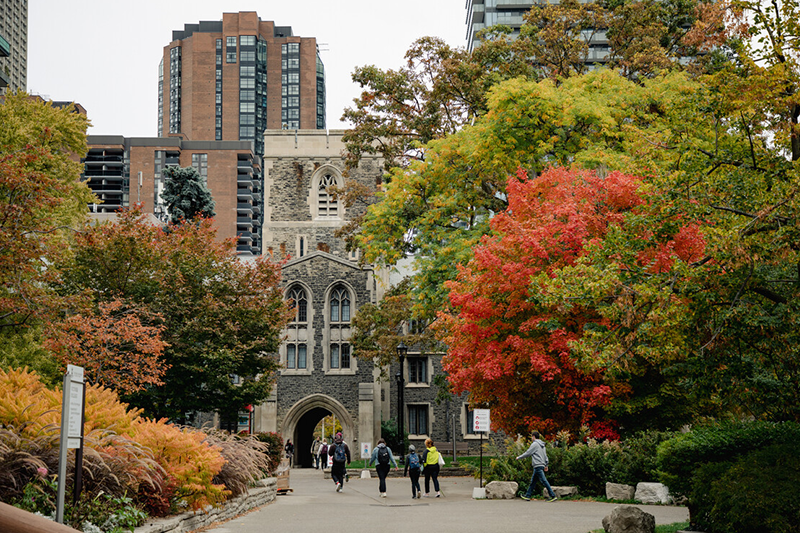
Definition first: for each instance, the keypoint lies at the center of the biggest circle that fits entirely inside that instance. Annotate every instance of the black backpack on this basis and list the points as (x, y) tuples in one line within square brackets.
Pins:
[(339, 455), (383, 455)]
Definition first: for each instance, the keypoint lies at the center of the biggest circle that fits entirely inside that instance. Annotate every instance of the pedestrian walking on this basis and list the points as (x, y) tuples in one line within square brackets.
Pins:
[(412, 469), (341, 457), (289, 449), (323, 454), (315, 452), (430, 463), (382, 457), (540, 462)]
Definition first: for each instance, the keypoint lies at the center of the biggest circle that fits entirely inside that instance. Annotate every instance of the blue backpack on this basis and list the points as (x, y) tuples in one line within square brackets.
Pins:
[(413, 461), (339, 454)]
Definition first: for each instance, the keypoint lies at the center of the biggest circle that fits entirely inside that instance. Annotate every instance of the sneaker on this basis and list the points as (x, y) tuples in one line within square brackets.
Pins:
[(347, 478), (526, 498), (554, 498), (425, 495), (383, 494), (338, 487), (419, 495), (413, 497), (438, 494)]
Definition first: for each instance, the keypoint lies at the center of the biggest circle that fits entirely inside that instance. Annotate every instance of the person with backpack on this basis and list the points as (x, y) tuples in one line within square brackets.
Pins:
[(413, 468), (381, 458), (430, 463), (341, 456), (315, 452)]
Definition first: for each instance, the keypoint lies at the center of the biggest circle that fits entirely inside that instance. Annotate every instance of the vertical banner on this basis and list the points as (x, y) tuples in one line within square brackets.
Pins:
[(71, 428), (366, 450)]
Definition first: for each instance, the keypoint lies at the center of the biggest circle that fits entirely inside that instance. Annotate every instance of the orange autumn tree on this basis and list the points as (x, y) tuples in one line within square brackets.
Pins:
[(510, 346), (118, 346)]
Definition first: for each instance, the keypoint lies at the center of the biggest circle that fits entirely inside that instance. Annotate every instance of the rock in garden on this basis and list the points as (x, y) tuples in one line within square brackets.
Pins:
[(629, 519), (651, 493), (561, 492), (501, 490), (618, 491)]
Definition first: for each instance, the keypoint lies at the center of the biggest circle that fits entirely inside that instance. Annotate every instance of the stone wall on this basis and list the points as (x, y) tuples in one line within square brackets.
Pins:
[(265, 493)]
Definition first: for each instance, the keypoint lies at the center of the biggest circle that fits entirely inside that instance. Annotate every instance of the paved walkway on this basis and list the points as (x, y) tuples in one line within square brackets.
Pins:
[(314, 507)]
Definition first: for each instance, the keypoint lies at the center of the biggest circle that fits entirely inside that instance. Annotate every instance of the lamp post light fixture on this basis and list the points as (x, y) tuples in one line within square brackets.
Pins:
[(402, 350)]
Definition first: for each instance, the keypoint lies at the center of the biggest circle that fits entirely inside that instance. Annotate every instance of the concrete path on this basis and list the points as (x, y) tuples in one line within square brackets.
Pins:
[(315, 507)]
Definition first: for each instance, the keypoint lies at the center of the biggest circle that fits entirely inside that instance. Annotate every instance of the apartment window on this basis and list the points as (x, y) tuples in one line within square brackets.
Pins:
[(247, 119), (247, 132), (247, 71), (247, 40), (200, 164), (417, 369), (247, 107), (418, 419), (247, 83), (247, 94), (247, 56), (231, 42)]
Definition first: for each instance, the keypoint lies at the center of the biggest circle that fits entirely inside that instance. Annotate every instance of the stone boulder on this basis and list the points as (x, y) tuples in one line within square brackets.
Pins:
[(561, 492), (651, 493), (629, 519), (501, 490), (618, 491)]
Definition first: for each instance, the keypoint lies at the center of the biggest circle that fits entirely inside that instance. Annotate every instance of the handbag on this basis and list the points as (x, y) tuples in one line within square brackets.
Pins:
[(441, 460)]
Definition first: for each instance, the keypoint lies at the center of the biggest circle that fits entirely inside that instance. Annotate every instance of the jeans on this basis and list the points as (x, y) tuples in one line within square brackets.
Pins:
[(337, 473), (316, 462), (538, 474), (431, 471), (413, 473), (383, 471)]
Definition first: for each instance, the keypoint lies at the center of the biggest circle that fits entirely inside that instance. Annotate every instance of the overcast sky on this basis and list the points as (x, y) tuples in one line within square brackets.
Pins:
[(104, 54)]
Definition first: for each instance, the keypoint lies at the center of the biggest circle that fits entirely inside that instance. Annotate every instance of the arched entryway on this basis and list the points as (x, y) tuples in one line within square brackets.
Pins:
[(304, 416)]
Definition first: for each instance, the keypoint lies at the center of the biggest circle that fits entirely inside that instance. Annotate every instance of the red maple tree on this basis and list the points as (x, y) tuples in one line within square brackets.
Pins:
[(509, 346)]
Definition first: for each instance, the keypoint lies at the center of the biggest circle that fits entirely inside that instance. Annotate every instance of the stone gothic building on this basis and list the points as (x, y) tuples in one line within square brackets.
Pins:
[(321, 375)]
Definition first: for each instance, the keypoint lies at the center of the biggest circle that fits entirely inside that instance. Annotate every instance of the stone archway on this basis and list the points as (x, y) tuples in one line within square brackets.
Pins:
[(302, 418)]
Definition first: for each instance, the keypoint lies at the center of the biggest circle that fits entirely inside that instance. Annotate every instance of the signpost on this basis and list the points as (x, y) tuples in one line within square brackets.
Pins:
[(481, 423), (71, 431)]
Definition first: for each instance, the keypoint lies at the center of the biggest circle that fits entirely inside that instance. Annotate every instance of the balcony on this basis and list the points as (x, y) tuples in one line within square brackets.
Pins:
[(5, 48)]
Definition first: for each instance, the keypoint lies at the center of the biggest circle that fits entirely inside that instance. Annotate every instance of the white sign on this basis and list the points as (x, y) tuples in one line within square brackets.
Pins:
[(480, 420), (366, 450), (73, 404)]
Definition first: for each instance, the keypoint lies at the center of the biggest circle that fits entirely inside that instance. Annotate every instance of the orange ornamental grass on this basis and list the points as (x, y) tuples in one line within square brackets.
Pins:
[(187, 458)]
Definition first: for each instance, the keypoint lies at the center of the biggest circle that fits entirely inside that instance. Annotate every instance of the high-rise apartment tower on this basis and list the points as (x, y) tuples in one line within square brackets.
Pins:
[(229, 80), (234, 78), (13, 45), (487, 13)]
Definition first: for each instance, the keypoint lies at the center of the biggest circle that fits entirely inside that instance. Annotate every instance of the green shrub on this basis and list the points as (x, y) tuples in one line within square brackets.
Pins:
[(274, 450), (680, 457), (586, 466), (755, 494), (639, 458)]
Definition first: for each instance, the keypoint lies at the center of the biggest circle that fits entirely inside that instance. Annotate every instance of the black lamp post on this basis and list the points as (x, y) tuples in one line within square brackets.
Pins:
[(402, 349)]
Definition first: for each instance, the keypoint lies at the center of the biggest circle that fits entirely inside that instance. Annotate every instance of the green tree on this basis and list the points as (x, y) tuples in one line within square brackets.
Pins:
[(222, 318), (186, 195), (41, 197)]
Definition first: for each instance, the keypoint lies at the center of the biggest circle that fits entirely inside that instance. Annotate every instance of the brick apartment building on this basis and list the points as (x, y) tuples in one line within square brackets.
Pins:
[(123, 171)]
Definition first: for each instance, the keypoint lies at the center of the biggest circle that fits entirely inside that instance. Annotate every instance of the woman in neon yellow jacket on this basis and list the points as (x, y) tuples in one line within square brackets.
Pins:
[(430, 465)]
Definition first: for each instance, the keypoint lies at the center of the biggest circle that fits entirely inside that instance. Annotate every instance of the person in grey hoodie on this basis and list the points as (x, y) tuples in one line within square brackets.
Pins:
[(538, 455)]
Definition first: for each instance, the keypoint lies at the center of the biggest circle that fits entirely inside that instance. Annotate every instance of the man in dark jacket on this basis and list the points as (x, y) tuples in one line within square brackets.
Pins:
[(538, 455), (341, 457)]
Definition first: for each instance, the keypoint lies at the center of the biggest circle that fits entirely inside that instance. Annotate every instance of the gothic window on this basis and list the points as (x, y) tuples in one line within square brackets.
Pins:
[(339, 329), (297, 334), (327, 205)]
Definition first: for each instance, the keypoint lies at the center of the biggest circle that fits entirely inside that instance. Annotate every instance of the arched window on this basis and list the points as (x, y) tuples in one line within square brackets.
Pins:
[(297, 334), (339, 326), (327, 205)]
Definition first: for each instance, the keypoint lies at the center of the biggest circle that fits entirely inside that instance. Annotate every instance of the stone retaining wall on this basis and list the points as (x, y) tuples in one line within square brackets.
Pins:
[(186, 522)]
